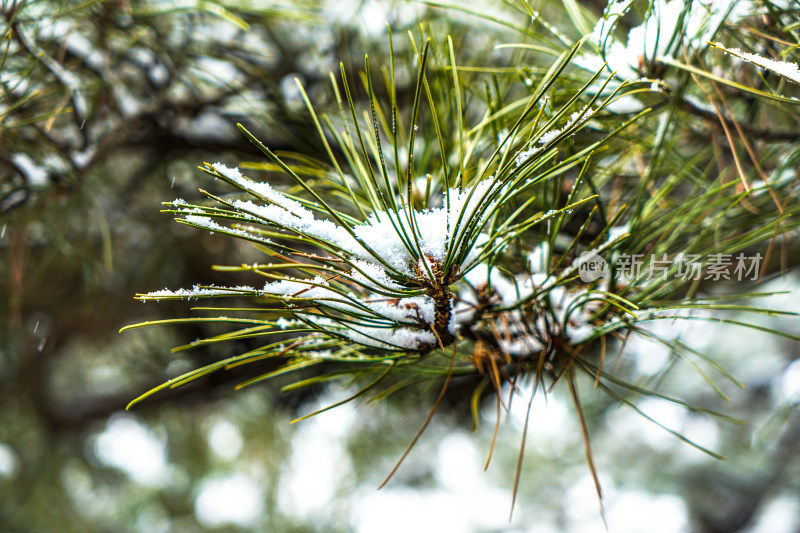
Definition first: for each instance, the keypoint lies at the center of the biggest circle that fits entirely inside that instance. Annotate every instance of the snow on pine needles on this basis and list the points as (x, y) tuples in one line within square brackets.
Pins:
[(381, 283)]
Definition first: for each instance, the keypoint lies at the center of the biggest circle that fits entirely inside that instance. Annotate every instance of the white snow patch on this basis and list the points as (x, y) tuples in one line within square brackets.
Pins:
[(576, 119), (786, 69), (435, 228), (36, 175), (198, 292)]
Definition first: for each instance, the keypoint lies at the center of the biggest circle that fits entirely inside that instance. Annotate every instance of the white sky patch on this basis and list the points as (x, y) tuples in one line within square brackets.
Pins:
[(388, 511), (702, 430), (786, 69), (9, 461), (373, 18), (583, 509), (781, 515), (225, 440), (459, 464), (648, 355), (789, 384), (631, 426), (337, 11), (671, 415), (233, 499), (129, 445), (734, 343), (636, 511), (400, 510), (550, 417), (319, 465)]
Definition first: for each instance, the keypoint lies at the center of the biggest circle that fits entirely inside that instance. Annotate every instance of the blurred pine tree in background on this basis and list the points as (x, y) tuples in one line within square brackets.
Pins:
[(422, 244)]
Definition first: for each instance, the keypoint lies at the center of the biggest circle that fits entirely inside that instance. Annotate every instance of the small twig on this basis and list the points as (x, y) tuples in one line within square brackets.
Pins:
[(763, 134)]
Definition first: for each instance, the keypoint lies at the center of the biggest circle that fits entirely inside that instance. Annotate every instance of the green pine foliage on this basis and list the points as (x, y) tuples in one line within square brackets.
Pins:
[(512, 220)]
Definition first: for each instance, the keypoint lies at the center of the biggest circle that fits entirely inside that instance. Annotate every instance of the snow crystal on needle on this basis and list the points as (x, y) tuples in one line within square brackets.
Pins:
[(298, 219), (538, 258), (435, 227), (667, 28), (653, 39), (300, 288), (284, 323), (197, 291), (527, 154), (414, 309), (263, 189), (388, 338), (788, 70), (615, 232), (480, 276), (377, 337), (577, 118), (522, 345), (211, 225), (405, 309), (371, 272)]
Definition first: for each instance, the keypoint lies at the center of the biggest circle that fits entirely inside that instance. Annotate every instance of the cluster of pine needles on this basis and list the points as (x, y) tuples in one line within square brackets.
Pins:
[(439, 236)]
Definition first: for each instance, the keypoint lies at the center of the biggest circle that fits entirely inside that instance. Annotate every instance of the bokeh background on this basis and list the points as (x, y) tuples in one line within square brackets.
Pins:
[(108, 108)]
